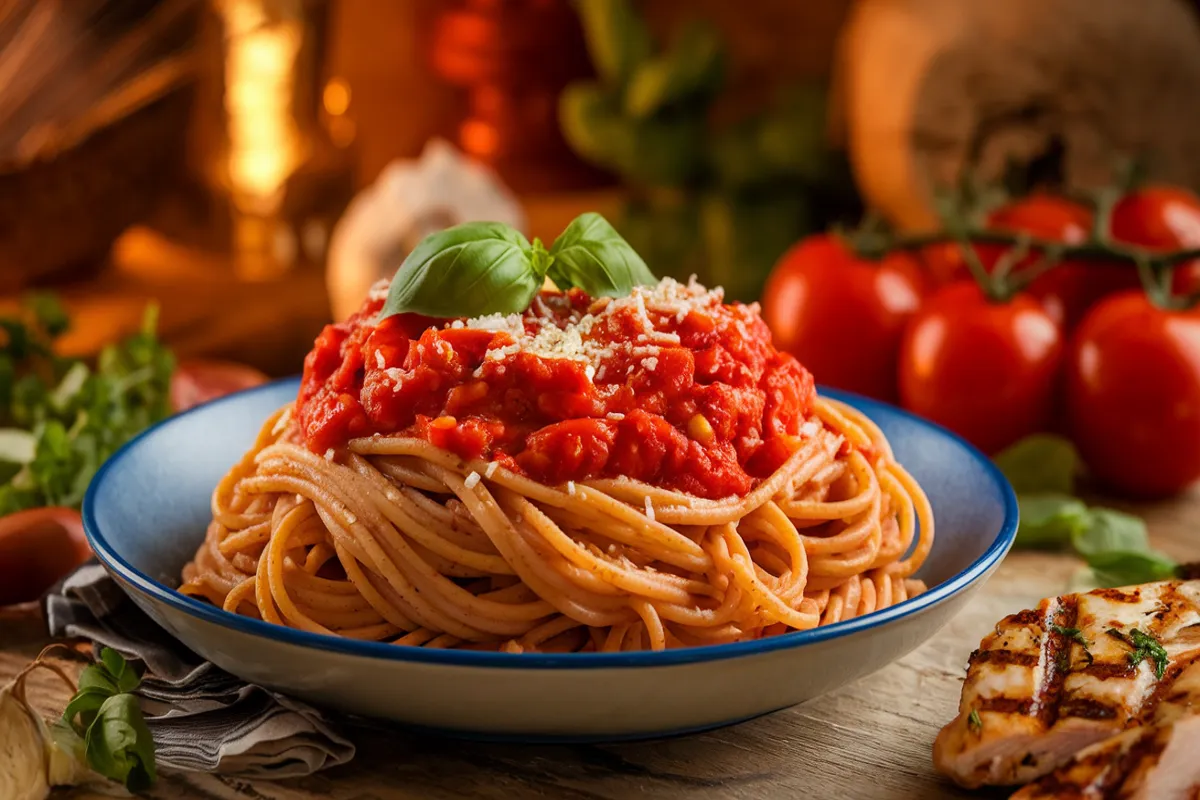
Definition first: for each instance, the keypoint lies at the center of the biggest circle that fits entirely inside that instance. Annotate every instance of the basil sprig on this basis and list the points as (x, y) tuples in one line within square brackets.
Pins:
[(484, 268), (105, 714)]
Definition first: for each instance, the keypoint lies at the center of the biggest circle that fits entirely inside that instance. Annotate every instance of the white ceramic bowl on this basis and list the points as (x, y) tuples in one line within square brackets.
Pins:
[(148, 506)]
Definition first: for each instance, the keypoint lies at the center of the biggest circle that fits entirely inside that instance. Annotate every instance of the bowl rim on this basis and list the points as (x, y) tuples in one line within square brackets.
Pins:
[(161, 593)]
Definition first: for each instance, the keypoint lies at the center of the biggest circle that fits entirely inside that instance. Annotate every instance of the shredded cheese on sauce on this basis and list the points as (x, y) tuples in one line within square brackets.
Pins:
[(542, 337), (472, 480)]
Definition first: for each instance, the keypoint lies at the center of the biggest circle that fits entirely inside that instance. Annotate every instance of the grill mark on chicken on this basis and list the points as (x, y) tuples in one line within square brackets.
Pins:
[(1006, 705), (1002, 658), (1087, 708), (1105, 670), (1127, 595), (1061, 614)]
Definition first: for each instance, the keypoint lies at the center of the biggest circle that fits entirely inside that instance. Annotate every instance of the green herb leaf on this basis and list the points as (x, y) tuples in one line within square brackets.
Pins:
[(81, 711), (693, 67), (592, 256), (467, 271), (974, 722), (1123, 568), (1144, 646), (123, 673), (119, 745), (1040, 463), (617, 38), (1049, 521), (1071, 633), (49, 313)]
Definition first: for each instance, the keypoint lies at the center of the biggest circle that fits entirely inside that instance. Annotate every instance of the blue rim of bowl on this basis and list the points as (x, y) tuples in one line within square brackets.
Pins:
[(471, 658)]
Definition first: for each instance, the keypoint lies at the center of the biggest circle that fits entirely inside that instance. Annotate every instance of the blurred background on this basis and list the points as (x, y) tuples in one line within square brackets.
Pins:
[(202, 153)]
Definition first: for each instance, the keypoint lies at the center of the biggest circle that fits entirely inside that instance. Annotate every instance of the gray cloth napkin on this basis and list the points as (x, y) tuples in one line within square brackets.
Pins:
[(202, 718)]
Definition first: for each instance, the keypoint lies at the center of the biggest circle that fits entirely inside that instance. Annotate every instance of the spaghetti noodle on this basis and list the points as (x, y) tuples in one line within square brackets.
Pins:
[(418, 533)]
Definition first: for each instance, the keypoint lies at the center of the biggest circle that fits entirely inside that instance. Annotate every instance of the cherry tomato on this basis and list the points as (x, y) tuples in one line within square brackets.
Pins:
[(197, 381), (1133, 395), (843, 316), (37, 547), (984, 370), (1070, 287), (1161, 218)]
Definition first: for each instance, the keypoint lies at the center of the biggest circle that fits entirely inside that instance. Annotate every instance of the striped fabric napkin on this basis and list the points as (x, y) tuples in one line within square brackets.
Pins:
[(203, 719)]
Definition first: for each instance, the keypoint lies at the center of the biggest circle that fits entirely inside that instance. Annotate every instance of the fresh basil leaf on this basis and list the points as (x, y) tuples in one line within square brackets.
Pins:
[(119, 745), (97, 677), (124, 675), (1127, 568), (592, 256), (1108, 531), (84, 705), (467, 271), (692, 68), (1040, 463), (1049, 521), (617, 39)]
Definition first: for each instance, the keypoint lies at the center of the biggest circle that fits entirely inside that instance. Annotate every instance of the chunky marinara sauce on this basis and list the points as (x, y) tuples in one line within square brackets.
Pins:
[(668, 386)]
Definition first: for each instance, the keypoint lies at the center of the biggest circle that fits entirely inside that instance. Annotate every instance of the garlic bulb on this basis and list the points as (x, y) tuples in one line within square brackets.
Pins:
[(408, 201)]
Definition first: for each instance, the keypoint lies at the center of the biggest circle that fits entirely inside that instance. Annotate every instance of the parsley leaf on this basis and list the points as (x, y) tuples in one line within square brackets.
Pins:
[(974, 722), (1072, 633), (1145, 647), (63, 417)]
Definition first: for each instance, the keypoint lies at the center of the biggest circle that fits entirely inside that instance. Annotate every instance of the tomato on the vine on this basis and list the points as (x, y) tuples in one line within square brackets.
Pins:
[(1068, 288), (1133, 395), (986, 370), (1161, 218), (842, 316)]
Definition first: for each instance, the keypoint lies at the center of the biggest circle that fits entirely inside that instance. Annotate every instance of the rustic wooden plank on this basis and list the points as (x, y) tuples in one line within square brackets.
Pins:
[(868, 740)]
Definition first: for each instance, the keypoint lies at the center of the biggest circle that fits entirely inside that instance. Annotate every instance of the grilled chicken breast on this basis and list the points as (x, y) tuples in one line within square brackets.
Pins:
[(1158, 760), (1051, 681)]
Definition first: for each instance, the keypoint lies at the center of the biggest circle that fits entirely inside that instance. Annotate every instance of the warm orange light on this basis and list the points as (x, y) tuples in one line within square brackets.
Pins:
[(336, 97)]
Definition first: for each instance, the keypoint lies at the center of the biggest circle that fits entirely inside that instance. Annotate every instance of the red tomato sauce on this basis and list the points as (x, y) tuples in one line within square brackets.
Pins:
[(670, 387)]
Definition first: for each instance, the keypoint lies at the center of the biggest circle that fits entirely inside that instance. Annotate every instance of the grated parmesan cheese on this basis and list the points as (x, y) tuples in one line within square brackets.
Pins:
[(379, 289), (589, 371), (571, 488), (379, 362), (649, 508), (615, 415), (650, 364), (329, 454), (472, 480), (491, 469)]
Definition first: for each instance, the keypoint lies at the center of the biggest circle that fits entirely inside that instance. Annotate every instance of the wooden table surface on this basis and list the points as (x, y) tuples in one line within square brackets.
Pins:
[(869, 740)]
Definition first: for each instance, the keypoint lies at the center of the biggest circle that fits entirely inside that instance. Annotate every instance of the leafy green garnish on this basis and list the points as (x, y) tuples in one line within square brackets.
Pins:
[(1071, 633), (974, 722), (61, 418), (1115, 545), (1049, 521), (489, 268), (617, 38), (1144, 647), (1040, 463), (105, 714), (592, 256), (691, 68)]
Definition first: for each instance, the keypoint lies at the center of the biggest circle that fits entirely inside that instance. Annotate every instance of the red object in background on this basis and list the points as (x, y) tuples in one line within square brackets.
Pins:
[(514, 57), (843, 316), (197, 381), (1133, 395), (1161, 218), (37, 548), (985, 370), (1069, 288)]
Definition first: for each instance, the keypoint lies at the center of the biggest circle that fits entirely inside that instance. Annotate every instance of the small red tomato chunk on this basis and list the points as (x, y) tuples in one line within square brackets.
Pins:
[(1133, 395), (843, 316), (985, 370)]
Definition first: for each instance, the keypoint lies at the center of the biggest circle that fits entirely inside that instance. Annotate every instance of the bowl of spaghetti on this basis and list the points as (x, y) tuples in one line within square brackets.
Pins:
[(601, 517)]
